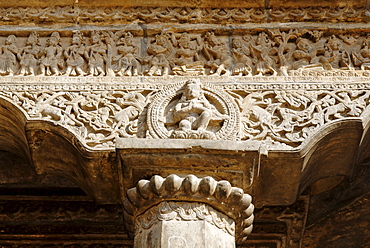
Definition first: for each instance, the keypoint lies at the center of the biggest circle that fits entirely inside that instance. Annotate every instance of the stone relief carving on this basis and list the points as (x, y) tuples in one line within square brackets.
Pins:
[(291, 117), (8, 57), (268, 53), (72, 14), (282, 118), (193, 110), (229, 200), (187, 211)]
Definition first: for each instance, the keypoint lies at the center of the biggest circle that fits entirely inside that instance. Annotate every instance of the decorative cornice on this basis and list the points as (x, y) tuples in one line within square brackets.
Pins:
[(219, 194), (117, 14)]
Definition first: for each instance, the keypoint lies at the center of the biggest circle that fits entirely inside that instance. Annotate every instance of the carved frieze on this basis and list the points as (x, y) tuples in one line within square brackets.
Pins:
[(280, 115), (274, 86), (117, 14), (193, 110), (242, 53)]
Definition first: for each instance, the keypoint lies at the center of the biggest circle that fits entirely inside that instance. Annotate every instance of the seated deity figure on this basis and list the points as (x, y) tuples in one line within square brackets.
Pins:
[(8, 58), (127, 63), (28, 56), (96, 55), (305, 56), (51, 57), (159, 52), (241, 55), (74, 55), (335, 57), (187, 61), (193, 111), (217, 55)]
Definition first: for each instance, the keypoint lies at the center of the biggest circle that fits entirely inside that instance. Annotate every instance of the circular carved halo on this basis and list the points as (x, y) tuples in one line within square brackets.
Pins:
[(170, 94)]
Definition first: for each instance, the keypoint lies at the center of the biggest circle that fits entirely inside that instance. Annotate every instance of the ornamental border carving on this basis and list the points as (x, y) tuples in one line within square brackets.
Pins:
[(219, 194), (228, 131), (185, 211), (74, 14)]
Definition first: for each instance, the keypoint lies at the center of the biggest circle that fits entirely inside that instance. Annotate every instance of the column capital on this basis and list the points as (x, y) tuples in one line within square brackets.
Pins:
[(220, 195)]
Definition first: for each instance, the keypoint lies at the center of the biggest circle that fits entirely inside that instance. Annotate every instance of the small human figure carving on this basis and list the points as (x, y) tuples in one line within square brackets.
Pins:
[(51, 57), (192, 114), (241, 55), (193, 111), (187, 61), (362, 58), (305, 55), (261, 54), (28, 56), (74, 55), (335, 57), (8, 58), (159, 52), (217, 55), (96, 55), (127, 63)]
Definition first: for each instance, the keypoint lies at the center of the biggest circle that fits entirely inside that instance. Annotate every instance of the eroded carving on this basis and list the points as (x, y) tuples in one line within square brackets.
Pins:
[(116, 14), (8, 57), (74, 56), (28, 55), (186, 211), (51, 57), (192, 111), (229, 200), (266, 53)]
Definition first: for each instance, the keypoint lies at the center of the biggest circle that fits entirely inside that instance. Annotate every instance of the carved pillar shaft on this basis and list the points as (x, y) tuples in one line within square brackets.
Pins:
[(184, 224), (187, 212)]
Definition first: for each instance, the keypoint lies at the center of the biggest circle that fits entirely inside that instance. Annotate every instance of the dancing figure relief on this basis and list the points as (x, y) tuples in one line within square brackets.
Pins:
[(51, 57), (192, 114), (187, 61), (28, 55), (218, 59), (8, 56), (126, 62), (74, 56), (96, 55), (159, 51)]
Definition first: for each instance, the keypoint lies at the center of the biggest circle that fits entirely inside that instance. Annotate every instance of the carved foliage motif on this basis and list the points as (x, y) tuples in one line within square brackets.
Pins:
[(97, 117), (186, 211), (279, 118), (290, 117), (177, 14), (123, 53)]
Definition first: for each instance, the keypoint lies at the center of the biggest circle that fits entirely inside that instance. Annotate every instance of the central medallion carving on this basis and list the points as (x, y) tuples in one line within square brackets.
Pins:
[(193, 110)]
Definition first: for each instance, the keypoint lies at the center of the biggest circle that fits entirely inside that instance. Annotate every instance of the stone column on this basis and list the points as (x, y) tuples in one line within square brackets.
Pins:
[(184, 224), (187, 212)]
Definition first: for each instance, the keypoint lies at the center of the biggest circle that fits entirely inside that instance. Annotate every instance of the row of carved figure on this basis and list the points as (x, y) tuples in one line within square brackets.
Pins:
[(273, 52)]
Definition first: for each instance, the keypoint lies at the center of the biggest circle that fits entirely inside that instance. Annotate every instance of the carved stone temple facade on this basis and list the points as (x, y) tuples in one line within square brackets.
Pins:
[(173, 124)]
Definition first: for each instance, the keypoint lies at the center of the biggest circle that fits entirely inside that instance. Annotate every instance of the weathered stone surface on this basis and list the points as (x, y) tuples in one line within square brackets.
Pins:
[(183, 224)]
